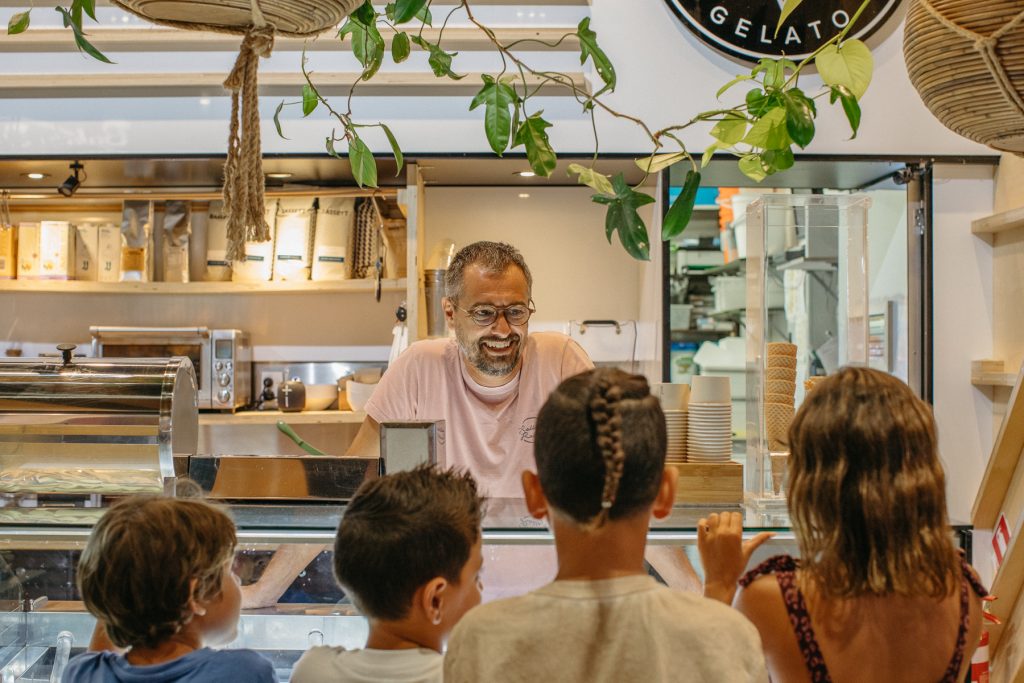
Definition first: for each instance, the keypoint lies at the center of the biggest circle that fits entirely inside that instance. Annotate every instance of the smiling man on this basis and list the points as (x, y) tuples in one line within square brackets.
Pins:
[(489, 382)]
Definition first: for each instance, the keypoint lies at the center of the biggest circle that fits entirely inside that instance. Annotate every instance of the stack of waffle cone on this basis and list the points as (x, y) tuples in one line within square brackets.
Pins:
[(780, 391)]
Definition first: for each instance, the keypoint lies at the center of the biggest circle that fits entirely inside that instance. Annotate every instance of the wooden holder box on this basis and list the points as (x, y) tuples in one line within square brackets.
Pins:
[(704, 483)]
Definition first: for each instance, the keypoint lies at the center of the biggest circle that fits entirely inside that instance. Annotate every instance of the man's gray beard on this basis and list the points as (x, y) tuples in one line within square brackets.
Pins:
[(479, 360)]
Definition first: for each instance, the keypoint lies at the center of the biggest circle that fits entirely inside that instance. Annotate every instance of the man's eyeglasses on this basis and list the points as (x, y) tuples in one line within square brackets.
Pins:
[(517, 314)]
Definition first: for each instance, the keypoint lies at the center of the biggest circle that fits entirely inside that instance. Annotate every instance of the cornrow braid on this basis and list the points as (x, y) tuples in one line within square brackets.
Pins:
[(607, 419)]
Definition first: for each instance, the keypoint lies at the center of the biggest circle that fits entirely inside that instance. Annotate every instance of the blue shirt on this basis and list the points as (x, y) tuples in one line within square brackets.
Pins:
[(199, 666)]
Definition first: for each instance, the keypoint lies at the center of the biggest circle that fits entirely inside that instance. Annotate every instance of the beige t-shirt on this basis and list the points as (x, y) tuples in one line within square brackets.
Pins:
[(624, 629), (488, 430), (324, 664)]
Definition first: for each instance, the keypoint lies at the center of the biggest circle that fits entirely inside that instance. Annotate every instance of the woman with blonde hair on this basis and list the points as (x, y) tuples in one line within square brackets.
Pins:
[(879, 592)]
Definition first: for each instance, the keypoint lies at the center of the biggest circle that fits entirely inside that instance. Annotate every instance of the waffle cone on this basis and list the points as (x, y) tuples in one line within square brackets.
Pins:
[(781, 362), (784, 374), (777, 417), (781, 349), (778, 386)]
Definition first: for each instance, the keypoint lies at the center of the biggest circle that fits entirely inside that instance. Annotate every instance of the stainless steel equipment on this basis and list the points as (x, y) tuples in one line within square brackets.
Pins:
[(75, 430), (404, 445), (222, 358), (271, 479)]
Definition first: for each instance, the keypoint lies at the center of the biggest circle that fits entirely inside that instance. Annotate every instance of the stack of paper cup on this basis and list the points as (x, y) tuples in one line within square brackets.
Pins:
[(674, 401), (779, 393), (709, 431)]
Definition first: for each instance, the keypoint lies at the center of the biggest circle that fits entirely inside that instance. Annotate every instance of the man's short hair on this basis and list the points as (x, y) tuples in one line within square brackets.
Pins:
[(136, 571), (493, 257), (402, 530)]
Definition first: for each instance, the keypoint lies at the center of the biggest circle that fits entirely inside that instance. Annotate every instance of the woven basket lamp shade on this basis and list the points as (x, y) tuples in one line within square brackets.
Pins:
[(258, 21), (298, 18), (966, 59)]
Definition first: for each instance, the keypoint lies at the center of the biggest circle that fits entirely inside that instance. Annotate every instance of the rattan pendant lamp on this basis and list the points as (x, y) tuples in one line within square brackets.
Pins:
[(258, 21), (966, 60)]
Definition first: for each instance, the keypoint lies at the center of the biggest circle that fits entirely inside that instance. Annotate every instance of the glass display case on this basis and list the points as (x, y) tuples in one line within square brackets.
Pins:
[(43, 619), (817, 246)]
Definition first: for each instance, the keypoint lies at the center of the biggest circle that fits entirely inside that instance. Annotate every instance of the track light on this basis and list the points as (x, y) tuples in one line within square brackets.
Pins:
[(71, 185)]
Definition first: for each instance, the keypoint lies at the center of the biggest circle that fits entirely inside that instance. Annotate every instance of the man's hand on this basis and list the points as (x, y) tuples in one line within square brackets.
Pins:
[(724, 553)]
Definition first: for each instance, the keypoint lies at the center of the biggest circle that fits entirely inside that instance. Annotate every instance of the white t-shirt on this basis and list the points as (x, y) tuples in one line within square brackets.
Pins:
[(625, 629), (337, 665), (488, 430)]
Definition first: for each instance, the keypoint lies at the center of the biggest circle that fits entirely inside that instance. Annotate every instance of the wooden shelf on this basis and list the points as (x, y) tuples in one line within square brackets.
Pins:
[(1004, 463), (151, 39), (200, 288), (1000, 222), (991, 373), (271, 417), (273, 83)]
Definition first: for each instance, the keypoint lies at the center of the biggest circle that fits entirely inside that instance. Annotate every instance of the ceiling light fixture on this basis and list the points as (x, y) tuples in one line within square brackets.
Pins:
[(36, 176), (71, 185), (525, 174), (280, 175), (524, 195)]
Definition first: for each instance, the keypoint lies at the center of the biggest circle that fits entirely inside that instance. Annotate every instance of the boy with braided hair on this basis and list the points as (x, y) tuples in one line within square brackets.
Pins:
[(601, 475)]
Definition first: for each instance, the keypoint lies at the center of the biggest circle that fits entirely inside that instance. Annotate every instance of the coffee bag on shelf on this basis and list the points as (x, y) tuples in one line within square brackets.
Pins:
[(218, 268), (177, 228), (258, 265), (87, 247), (108, 253), (8, 253), (45, 251), (137, 241), (335, 218), (293, 250)]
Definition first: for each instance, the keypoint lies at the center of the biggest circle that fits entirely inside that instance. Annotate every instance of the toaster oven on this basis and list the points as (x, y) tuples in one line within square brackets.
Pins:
[(222, 358)]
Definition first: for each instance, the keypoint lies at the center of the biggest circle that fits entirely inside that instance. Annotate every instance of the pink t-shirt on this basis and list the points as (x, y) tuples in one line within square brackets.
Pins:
[(489, 430)]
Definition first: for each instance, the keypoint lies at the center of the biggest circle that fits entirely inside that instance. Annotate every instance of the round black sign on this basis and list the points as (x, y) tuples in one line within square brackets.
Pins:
[(746, 28)]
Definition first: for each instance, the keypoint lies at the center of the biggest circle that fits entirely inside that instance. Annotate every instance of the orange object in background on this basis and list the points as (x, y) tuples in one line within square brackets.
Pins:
[(725, 219)]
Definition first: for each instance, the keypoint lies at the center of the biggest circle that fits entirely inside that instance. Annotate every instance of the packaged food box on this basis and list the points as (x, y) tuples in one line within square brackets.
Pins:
[(46, 251), (334, 222), (258, 264), (87, 247), (108, 253), (218, 268), (294, 248), (8, 253)]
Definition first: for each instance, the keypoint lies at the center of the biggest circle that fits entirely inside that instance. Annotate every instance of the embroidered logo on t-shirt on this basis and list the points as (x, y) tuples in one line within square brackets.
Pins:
[(526, 431)]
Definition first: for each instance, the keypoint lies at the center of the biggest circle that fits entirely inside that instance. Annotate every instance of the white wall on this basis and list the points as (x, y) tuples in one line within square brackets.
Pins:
[(963, 332), (665, 75)]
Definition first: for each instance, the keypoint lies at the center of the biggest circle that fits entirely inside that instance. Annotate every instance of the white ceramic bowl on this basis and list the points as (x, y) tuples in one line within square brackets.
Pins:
[(320, 396), (358, 393)]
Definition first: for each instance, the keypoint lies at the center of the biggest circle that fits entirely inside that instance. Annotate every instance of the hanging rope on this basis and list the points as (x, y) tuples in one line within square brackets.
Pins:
[(243, 170)]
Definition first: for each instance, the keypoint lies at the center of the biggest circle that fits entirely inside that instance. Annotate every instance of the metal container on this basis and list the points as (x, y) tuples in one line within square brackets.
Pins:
[(94, 426)]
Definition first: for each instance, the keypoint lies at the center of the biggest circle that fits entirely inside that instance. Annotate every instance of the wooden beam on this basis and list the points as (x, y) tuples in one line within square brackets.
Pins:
[(1005, 459), (1000, 222), (157, 39), (179, 84)]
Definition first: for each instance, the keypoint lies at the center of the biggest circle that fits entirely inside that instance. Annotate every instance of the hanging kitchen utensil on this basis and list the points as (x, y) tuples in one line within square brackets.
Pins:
[(259, 21)]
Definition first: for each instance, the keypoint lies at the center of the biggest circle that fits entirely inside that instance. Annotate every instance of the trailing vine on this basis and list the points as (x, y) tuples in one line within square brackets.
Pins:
[(760, 130)]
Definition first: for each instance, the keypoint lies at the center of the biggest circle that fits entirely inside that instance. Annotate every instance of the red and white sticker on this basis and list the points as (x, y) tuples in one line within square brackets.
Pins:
[(1001, 539), (979, 662)]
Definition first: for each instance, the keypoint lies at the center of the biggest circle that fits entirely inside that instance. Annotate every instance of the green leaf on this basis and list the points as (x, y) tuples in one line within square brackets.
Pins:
[(440, 61), (406, 10), (364, 168), (752, 167), (738, 79), (849, 65), (731, 129), (365, 14), (498, 98), (777, 160), (850, 106), (309, 99), (708, 153), (679, 214), (653, 164), (395, 149), (590, 49), (591, 178), (758, 102), (622, 216), (532, 134), (76, 28), (277, 120), (787, 8), (799, 119), (774, 72), (367, 44), (90, 8), (18, 23), (769, 132), (400, 47)]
